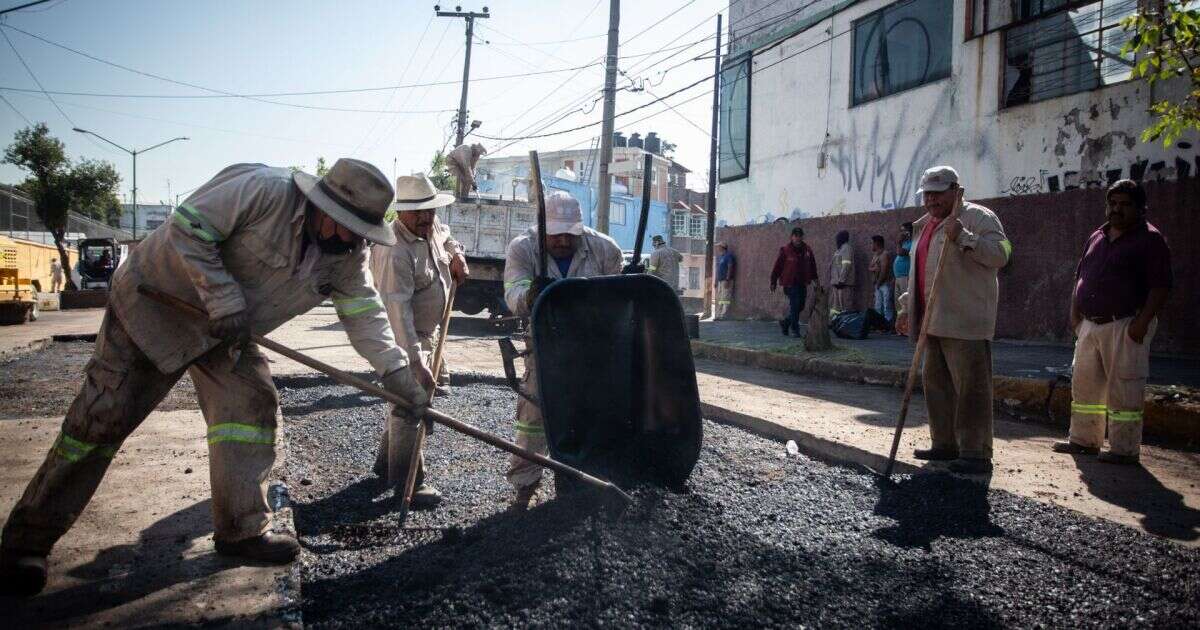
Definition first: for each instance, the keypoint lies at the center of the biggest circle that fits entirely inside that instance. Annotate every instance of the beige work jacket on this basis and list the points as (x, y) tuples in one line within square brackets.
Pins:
[(413, 280), (598, 255), (236, 244), (968, 290), (841, 268), (664, 263)]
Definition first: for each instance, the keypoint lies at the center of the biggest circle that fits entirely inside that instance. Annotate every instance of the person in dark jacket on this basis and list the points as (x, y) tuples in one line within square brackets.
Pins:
[(795, 268)]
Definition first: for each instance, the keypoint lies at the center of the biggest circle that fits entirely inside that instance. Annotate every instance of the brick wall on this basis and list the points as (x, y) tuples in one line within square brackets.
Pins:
[(1047, 231)]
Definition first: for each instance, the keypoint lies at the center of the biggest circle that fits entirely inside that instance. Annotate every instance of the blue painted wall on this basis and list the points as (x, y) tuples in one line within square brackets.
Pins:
[(657, 220)]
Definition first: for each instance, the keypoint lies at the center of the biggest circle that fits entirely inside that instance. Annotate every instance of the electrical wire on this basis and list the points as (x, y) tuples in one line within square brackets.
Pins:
[(392, 94), (34, 77), (14, 108)]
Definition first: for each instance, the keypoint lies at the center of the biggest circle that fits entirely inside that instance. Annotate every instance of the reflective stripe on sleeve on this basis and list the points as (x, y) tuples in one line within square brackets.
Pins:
[(74, 450), (518, 283), (191, 220), (1085, 408), (244, 433), (1124, 416), (353, 307), (1006, 245), (846, 262)]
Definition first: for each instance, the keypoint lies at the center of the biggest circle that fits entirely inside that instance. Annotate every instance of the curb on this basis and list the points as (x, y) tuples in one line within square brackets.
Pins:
[(1043, 401)]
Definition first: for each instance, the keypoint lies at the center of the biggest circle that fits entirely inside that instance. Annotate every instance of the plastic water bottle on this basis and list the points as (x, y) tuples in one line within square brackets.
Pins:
[(793, 449)]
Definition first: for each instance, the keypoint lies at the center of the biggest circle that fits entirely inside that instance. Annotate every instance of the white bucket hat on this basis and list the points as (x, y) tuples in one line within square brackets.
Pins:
[(417, 192), (937, 179), (353, 193), (562, 214)]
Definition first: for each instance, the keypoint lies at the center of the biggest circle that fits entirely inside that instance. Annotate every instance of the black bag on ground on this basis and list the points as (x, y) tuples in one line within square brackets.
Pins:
[(850, 325), (876, 321)]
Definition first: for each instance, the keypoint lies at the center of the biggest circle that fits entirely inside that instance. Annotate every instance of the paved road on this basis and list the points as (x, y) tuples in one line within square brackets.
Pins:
[(759, 539), (1010, 358)]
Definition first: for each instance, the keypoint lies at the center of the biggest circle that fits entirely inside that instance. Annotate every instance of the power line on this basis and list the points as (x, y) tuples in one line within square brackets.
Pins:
[(24, 6), (14, 108), (392, 95), (34, 76)]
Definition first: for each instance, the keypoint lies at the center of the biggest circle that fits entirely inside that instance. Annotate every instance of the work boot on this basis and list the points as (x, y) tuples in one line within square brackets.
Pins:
[(935, 454), (426, 497), (971, 466), (524, 497), (22, 575), (783, 324), (1072, 448), (1109, 457), (267, 547), (381, 457)]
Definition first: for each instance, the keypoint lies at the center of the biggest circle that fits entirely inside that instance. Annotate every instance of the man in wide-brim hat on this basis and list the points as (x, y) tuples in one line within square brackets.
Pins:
[(413, 278), (255, 247)]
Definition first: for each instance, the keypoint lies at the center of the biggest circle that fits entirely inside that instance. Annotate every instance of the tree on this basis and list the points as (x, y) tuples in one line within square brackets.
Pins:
[(440, 174), (1166, 38), (321, 168), (55, 185)]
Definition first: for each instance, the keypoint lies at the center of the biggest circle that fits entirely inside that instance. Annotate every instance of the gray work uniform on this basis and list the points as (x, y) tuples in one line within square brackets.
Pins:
[(664, 263), (235, 244), (597, 255)]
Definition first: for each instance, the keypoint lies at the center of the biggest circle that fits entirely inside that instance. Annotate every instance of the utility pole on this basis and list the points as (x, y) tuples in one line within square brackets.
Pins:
[(610, 105), (469, 16), (709, 280)]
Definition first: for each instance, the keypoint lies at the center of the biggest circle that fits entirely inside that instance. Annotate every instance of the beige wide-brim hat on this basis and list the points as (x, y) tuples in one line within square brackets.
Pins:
[(417, 192), (353, 193)]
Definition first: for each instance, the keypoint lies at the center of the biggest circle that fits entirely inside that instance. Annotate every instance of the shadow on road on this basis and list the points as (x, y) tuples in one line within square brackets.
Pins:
[(1138, 490), (928, 506)]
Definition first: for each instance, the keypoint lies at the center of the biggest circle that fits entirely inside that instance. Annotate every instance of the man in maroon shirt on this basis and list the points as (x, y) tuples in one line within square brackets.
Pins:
[(795, 268), (1120, 284)]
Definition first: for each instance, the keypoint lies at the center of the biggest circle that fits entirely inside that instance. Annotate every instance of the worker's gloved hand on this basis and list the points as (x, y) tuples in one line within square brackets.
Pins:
[(535, 289), (233, 327), (633, 268), (404, 384)]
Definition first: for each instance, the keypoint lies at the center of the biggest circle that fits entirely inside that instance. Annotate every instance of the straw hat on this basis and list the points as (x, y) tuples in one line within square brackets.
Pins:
[(417, 192)]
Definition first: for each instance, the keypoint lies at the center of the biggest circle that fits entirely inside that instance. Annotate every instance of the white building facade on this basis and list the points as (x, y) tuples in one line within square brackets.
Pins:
[(837, 106)]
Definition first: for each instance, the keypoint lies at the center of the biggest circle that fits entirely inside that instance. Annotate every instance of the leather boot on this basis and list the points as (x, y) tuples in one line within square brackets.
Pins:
[(935, 454), (1074, 449), (267, 547), (425, 497), (22, 575)]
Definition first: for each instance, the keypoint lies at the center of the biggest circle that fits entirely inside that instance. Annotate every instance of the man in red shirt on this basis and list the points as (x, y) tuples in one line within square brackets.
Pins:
[(795, 268), (1121, 282)]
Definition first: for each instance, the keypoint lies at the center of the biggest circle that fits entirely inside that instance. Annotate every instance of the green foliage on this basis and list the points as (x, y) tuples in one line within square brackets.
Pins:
[(93, 185), (439, 173), (321, 168), (36, 151), (1165, 38)]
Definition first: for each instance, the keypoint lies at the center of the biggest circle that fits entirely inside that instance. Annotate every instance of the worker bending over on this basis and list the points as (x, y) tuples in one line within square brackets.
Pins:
[(574, 251), (413, 277), (255, 246)]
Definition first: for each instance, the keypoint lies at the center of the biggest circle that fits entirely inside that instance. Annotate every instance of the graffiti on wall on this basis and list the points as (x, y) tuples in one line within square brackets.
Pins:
[(1182, 165)]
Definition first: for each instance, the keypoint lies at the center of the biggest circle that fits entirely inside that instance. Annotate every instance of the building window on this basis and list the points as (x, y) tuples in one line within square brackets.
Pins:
[(696, 226), (734, 157), (616, 213), (679, 224), (900, 47), (1067, 51), (693, 278)]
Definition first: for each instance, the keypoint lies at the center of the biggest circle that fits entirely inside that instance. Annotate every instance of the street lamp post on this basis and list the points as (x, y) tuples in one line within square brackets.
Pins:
[(133, 153)]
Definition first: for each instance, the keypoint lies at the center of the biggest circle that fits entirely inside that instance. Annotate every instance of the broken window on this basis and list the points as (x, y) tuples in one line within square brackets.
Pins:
[(900, 47), (735, 121), (1066, 51)]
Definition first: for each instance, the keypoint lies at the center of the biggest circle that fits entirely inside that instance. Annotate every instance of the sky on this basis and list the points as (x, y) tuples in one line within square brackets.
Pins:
[(256, 47)]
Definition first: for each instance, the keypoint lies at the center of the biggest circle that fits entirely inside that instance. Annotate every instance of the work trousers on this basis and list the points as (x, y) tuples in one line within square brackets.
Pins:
[(428, 344), (531, 432), (841, 300), (901, 288), (796, 296), (883, 302), (1108, 384), (958, 394), (122, 387), (55, 283), (724, 298)]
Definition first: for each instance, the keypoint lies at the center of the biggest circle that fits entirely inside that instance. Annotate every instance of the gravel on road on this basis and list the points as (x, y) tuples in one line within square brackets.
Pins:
[(758, 539)]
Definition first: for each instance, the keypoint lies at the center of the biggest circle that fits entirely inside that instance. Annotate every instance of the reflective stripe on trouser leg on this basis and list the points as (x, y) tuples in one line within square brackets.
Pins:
[(120, 389), (240, 405), (531, 433), (1127, 387), (1088, 389)]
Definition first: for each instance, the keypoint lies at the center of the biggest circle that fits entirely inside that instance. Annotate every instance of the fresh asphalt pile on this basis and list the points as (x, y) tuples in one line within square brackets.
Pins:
[(759, 539)]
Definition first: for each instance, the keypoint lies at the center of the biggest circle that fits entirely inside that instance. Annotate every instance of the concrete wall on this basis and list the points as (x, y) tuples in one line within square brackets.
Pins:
[(1048, 232), (874, 153)]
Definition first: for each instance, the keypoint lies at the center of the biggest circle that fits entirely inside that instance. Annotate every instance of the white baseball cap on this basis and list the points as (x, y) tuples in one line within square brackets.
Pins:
[(562, 214), (937, 179)]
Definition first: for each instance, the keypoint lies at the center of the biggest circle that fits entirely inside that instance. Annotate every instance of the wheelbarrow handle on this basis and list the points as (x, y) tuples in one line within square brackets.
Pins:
[(346, 378)]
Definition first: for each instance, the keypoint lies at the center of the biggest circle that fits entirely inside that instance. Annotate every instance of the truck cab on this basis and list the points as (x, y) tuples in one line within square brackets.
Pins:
[(98, 260)]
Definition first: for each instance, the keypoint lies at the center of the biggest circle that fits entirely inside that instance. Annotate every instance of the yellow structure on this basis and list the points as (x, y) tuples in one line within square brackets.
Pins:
[(31, 260)]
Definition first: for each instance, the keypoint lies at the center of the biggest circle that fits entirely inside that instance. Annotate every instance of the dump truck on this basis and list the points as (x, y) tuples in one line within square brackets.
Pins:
[(485, 227), (18, 287)]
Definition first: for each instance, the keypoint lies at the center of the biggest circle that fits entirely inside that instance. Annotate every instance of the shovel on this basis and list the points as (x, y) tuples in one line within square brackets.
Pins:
[(395, 424), (346, 378)]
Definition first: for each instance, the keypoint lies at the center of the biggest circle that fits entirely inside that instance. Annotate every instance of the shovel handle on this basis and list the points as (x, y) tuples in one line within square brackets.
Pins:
[(345, 378)]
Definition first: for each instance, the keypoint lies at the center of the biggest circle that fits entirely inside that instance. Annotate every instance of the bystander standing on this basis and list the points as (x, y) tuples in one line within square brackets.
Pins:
[(725, 270), (795, 268), (881, 279), (841, 275), (901, 263)]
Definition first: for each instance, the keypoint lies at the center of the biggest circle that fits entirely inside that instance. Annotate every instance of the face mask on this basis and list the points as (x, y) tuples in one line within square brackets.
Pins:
[(335, 246)]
